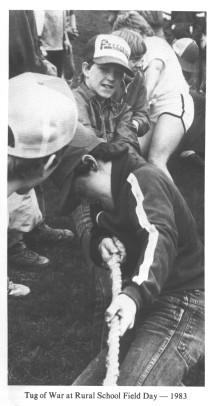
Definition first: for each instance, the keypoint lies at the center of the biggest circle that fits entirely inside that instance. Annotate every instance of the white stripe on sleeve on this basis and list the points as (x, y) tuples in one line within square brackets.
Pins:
[(150, 228)]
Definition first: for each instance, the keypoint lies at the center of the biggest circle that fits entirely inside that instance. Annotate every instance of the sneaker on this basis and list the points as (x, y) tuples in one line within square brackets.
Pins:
[(21, 255), (44, 233), (193, 157), (15, 289)]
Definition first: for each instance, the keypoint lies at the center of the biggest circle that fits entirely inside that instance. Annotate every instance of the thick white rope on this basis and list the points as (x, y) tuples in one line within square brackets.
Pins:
[(112, 361)]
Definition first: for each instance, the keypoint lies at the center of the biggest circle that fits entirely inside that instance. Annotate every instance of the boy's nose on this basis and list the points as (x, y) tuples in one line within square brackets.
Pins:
[(111, 74), (139, 63)]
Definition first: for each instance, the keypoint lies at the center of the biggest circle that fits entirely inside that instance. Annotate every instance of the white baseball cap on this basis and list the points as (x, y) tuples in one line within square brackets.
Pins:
[(42, 115), (108, 48)]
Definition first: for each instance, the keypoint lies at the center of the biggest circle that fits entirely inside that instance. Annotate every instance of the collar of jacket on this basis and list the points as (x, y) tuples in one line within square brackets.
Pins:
[(121, 168)]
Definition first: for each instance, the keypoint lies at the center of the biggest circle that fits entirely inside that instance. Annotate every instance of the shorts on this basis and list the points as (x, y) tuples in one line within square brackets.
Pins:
[(181, 106)]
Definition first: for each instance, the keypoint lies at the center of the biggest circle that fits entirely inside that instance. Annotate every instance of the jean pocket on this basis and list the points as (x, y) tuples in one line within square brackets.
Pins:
[(191, 344)]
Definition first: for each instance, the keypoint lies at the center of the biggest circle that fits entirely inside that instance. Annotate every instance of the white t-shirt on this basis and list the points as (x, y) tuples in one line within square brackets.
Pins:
[(172, 82), (53, 30)]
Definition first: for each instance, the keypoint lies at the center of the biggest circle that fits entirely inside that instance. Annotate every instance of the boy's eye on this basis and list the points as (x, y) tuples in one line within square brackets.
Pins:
[(134, 60), (117, 72)]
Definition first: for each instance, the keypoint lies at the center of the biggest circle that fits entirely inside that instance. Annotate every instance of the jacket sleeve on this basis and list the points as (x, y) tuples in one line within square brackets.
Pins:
[(137, 97), (84, 115), (125, 131), (152, 215), (97, 235)]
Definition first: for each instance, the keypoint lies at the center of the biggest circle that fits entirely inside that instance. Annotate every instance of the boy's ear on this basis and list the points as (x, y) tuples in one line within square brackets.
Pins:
[(85, 69), (91, 162)]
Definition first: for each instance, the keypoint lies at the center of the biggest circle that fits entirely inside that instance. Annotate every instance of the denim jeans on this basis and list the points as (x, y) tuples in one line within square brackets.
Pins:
[(167, 340)]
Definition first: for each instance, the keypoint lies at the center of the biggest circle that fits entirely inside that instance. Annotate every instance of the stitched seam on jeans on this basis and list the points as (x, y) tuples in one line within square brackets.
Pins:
[(158, 353)]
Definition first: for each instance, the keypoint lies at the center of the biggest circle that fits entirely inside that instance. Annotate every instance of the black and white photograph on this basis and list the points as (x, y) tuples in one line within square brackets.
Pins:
[(104, 256)]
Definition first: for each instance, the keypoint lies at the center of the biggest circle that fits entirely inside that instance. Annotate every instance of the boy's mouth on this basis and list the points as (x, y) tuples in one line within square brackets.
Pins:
[(108, 87)]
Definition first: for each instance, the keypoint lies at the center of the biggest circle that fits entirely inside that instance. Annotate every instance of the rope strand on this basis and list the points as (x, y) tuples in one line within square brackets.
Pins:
[(112, 361)]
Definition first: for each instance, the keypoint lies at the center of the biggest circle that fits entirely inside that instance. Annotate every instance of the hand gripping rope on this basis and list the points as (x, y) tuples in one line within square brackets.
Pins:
[(112, 361)]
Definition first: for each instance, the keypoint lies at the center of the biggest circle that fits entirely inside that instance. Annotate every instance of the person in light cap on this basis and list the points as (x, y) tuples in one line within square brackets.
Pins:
[(105, 60), (42, 120), (187, 52)]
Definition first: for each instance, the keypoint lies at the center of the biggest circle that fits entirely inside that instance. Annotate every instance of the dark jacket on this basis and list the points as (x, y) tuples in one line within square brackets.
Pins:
[(134, 95), (108, 119), (24, 51), (152, 219)]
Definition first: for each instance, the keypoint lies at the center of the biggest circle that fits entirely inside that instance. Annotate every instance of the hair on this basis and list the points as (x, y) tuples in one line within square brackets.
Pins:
[(104, 152), (133, 21), (153, 18), (134, 40), (28, 168)]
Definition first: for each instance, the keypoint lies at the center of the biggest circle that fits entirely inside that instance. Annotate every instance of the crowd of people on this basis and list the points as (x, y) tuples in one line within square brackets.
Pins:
[(106, 145)]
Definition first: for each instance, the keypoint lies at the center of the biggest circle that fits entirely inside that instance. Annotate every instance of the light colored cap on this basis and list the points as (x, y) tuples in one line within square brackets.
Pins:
[(187, 52), (108, 48), (42, 115)]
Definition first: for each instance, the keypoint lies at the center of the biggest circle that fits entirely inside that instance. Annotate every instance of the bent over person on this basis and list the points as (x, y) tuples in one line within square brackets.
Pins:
[(161, 305)]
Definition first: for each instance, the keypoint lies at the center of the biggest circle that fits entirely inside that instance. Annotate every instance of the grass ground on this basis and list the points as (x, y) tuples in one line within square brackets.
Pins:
[(50, 330)]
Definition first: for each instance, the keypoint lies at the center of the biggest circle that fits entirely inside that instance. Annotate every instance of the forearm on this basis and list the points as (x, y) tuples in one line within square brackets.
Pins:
[(152, 77)]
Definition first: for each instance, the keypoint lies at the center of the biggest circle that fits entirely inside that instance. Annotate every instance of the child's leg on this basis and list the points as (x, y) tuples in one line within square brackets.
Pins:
[(166, 137), (145, 142), (169, 340)]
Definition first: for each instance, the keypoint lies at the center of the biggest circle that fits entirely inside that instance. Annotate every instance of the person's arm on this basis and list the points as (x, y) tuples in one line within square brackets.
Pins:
[(152, 76), (151, 204), (71, 25), (136, 97), (125, 131), (84, 111), (153, 217)]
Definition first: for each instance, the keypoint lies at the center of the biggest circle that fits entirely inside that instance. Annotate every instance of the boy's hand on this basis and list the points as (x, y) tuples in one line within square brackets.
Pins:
[(110, 246), (125, 308), (50, 68)]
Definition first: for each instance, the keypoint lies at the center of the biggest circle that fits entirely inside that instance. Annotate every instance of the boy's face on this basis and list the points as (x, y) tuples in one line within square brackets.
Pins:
[(104, 79), (136, 64), (96, 187)]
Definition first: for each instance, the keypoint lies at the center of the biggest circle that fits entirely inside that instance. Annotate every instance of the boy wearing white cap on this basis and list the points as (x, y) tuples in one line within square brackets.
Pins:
[(105, 62), (42, 120), (106, 59)]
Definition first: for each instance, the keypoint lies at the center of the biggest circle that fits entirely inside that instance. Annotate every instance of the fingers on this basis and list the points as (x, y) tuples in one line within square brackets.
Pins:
[(125, 308), (121, 248), (107, 249), (112, 310)]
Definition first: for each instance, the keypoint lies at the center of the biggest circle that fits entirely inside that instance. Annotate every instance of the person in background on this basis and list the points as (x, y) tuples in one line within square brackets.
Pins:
[(55, 40), (133, 91), (25, 213), (112, 16), (24, 52), (171, 106), (42, 120), (190, 24), (156, 21), (193, 145)]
